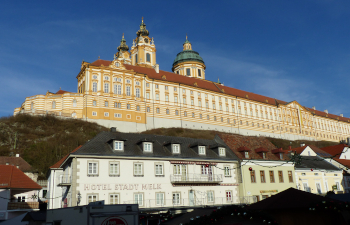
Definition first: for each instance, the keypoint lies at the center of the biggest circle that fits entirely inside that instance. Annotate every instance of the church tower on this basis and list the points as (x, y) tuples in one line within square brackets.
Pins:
[(189, 63), (143, 50), (123, 55)]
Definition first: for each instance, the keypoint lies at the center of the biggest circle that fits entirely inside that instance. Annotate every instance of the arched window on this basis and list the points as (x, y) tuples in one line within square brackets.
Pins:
[(94, 87), (148, 57), (54, 105), (136, 58), (74, 103)]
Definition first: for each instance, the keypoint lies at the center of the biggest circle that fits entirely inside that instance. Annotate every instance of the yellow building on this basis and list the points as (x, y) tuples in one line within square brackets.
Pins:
[(131, 93)]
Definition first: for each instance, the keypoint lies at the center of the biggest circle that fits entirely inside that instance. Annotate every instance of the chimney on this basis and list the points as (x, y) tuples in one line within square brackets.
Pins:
[(313, 107), (342, 115), (156, 68), (326, 111), (17, 155), (113, 129)]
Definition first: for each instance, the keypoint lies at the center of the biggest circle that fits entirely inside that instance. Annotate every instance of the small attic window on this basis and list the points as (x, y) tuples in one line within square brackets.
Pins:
[(175, 148), (119, 145), (222, 151), (246, 154), (264, 155), (147, 146), (281, 155), (201, 150)]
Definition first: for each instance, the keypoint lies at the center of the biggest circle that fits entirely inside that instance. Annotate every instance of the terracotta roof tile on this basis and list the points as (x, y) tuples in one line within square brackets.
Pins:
[(11, 177), (58, 164), (317, 150), (335, 150), (344, 162), (60, 92), (209, 85), (261, 149), (16, 161)]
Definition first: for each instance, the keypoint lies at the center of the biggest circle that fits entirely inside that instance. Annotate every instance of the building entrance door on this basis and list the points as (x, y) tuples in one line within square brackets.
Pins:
[(191, 197)]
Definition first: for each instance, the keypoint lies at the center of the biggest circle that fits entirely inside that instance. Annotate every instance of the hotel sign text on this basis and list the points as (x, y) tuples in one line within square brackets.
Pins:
[(121, 187)]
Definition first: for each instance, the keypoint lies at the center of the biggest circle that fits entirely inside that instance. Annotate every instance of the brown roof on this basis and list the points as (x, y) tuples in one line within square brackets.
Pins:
[(209, 85), (58, 164), (11, 177), (61, 92), (236, 142), (335, 150), (289, 199), (16, 161), (344, 162)]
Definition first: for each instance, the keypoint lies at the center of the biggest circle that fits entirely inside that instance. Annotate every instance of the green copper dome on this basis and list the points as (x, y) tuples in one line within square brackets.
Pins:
[(186, 56)]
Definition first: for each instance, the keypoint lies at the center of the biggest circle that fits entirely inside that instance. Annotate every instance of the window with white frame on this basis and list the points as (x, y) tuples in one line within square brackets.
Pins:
[(106, 114), (94, 103), (210, 196), (176, 148), (138, 169), (201, 150), (119, 89), (91, 198), (128, 92), (94, 113), (228, 196), (160, 198), (106, 87), (93, 168), (94, 86), (157, 97), (227, 171), (159, 170), (119, 145), (114, 168), (222, 151), (137, 92), (176, 198), (113, 199), (147, 147), (138, 199)]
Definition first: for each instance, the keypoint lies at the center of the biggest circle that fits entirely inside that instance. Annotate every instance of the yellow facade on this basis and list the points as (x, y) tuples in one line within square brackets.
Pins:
[(108, 93), (261, 179)]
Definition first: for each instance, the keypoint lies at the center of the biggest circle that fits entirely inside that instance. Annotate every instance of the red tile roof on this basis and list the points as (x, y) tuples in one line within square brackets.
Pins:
[(243, 149), (61, 92), (58, 164), (11, 177), (335, 150), (261, 149), (209, 85), (236, 142), (317, 150), (16, 161), (344, 162)]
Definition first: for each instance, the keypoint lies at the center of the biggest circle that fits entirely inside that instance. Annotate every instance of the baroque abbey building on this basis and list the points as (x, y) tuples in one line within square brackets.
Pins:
[(132, 94)]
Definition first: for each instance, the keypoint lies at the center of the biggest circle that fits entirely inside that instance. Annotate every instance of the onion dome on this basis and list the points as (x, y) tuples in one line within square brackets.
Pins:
[(123, 47), (142, 31), (187, 54)]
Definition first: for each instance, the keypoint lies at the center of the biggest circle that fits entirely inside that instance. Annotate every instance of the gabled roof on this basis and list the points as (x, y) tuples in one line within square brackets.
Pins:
[(289, 199), (58, 164), (317, 150), (16, 161), (11, 177), (335, 150), (209, 85), (102, 145), (315, 162)]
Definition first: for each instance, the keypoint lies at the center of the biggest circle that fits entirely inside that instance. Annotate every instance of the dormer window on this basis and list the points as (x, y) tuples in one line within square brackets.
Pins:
[(281, 155), (264, 155), (246, 154), (175, 148), (147, 147), (201, 150), (119, 145), (222, 152)]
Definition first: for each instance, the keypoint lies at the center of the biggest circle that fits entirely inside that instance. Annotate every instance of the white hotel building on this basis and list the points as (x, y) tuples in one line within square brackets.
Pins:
[(151, 170)]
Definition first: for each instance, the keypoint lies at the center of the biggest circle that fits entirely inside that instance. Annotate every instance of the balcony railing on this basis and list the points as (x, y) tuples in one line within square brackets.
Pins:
[(65, 180), (22, 205), (195, 202), (196, 178)]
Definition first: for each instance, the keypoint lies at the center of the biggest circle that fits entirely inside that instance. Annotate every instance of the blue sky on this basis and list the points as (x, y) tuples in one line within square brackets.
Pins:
[(289, 50)]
